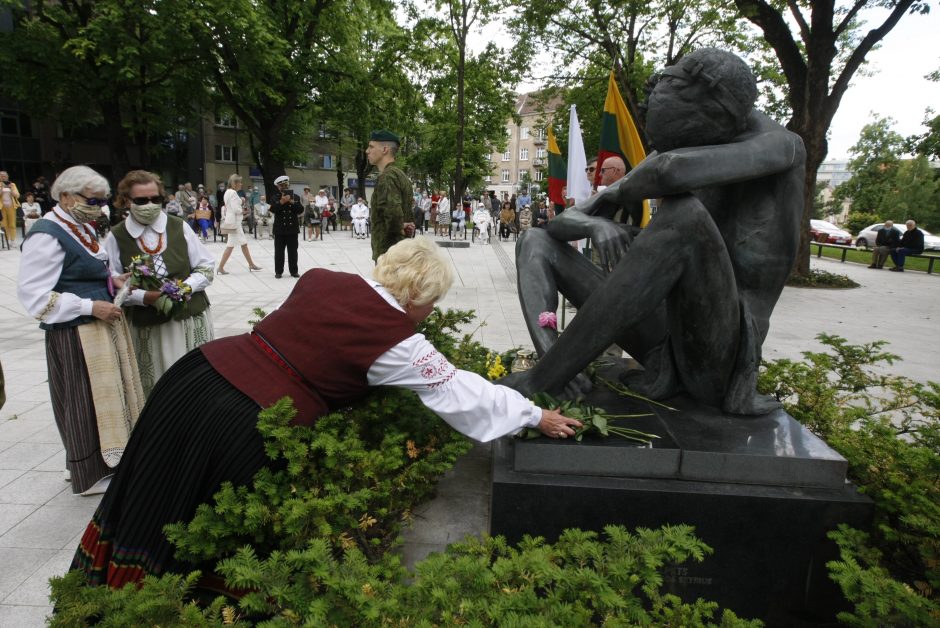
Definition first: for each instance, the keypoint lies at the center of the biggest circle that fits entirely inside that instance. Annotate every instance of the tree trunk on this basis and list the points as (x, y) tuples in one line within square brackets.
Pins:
[(271, 167), (811, 127), (117, 141), (362, 170), (461, 121), (340, 183)]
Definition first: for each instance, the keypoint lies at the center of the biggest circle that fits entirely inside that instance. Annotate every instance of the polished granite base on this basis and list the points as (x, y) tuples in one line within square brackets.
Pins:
[(695, 443), (763, 492)]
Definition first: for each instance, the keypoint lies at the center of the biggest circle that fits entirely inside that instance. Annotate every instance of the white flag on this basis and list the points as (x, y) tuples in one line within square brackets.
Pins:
[(579, 188)]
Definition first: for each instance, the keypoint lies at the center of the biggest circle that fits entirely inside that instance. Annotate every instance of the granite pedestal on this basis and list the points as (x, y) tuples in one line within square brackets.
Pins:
[(763, 492)]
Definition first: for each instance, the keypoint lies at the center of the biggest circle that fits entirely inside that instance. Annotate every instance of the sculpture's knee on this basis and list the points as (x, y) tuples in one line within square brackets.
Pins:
[(684, 209), (533, 243)]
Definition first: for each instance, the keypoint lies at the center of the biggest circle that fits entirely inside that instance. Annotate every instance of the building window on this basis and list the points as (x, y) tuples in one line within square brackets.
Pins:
[(488, 178), (524, 133), (226, 153), (328, 162), (15, 123), (523, 174), (507, 155), (523, 154), (538, 175), (227, 120), (504, 175), (540, 133), (509, 132), (540, 153)]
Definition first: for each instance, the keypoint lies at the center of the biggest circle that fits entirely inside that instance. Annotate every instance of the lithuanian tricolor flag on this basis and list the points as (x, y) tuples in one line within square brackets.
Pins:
[(557, 170), (619, 136)]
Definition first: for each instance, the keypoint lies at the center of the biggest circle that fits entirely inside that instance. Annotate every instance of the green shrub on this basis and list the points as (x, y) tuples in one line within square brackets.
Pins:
[(581, 580), (308, 541), (820, 279), (888, 429), (856, 221)]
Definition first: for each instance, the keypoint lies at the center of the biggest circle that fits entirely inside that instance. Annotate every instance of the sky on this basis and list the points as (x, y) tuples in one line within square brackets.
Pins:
[(896, 87)]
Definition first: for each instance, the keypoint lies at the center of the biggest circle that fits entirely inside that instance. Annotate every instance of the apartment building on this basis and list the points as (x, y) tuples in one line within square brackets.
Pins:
[(524, 162)]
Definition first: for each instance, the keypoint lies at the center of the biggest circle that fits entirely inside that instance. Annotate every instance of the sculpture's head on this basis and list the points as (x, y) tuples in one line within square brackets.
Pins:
[(704, 99)]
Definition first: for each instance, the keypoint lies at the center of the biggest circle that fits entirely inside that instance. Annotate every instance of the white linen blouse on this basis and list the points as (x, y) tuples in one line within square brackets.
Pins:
[(467, 402)]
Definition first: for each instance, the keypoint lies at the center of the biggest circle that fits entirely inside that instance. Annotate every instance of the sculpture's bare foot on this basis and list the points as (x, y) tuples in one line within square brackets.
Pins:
[(579, 387), (755, 405), (656, 381)]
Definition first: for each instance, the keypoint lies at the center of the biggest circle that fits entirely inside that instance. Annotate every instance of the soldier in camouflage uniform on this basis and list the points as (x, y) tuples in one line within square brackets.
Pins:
[(392, 218)]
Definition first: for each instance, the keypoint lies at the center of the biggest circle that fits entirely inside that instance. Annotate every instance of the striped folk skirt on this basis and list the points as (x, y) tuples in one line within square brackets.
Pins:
[(195, 432), (73, 402)]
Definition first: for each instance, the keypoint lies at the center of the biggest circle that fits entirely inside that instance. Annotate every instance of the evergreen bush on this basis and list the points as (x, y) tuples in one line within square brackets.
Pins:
[(308, 542), (888, 429)]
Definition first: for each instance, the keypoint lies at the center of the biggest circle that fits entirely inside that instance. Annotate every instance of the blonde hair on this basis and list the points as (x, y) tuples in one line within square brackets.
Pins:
[(415, 272), (233, 179)]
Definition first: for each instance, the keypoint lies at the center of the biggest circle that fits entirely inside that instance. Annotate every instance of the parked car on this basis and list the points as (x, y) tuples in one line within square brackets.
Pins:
[(866, 237), (822, 231)]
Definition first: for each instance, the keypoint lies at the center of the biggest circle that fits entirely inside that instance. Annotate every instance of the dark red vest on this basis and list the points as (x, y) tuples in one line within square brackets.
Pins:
[(316, 348)]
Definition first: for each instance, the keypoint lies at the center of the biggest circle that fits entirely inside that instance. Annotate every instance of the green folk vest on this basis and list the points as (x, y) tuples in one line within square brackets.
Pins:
[(176, 258)]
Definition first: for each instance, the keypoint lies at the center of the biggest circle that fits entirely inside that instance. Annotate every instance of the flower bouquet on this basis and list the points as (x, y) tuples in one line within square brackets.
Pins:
[(593, 420), (174, 294)]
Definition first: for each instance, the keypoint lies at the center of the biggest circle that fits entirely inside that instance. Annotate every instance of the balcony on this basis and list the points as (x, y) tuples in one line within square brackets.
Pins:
[(538, 163)]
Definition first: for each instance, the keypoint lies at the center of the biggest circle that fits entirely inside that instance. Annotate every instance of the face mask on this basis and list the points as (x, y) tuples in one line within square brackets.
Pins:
[(84, 213), (145, 214)]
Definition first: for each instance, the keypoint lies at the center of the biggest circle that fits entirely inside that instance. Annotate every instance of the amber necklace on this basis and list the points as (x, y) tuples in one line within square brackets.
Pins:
[(149, 251), (91, 243)]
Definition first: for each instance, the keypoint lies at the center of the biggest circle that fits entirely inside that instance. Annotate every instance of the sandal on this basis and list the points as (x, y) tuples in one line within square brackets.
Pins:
[(221, 272)]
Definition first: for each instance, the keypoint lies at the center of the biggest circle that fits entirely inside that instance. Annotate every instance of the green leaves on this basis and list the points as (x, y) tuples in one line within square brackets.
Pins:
[(593, 420), (888, 429)]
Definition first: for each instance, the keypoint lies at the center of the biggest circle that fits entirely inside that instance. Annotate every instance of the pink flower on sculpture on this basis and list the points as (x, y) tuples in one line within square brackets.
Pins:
[(548, 319)]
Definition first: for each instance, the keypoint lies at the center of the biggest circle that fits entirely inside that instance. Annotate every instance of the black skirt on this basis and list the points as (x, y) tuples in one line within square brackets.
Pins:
[(195, 432)]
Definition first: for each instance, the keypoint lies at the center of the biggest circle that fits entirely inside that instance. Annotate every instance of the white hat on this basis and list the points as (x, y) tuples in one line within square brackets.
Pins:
[(282, 179)]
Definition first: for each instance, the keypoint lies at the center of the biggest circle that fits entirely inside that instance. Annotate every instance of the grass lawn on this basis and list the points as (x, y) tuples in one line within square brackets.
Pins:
[(861, 256)]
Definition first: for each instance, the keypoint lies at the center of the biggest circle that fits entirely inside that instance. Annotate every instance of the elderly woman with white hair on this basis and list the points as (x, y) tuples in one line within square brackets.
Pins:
[(361, 334), (65, 282)]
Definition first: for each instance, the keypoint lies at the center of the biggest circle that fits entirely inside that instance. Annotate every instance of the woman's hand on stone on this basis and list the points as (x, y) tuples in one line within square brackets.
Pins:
[(556, 425)]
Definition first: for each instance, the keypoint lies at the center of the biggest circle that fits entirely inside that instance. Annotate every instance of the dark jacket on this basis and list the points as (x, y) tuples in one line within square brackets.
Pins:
[(286, 215), (888, 237), (913, 239)]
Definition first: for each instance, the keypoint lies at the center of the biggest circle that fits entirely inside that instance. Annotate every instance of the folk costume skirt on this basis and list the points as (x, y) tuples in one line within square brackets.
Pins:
[(196, 432), (94, 421)]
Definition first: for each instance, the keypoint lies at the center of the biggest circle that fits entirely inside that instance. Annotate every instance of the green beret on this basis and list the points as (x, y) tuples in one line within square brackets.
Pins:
[(384, 135)]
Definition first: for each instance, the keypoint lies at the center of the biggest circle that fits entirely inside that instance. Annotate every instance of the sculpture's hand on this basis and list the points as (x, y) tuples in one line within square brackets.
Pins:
[(611, 242)]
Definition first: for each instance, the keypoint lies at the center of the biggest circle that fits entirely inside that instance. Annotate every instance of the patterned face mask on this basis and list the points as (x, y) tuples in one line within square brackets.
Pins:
[(146, 214), (85, 213)]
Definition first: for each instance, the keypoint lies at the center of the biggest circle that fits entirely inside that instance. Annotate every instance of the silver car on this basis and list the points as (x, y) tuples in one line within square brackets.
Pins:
[(866, 237)]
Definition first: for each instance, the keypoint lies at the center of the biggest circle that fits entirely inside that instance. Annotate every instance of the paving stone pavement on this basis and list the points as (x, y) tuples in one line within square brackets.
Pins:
[(41, 521)]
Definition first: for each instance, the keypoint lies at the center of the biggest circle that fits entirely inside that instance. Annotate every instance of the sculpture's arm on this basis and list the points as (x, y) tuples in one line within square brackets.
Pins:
[(686, 169)]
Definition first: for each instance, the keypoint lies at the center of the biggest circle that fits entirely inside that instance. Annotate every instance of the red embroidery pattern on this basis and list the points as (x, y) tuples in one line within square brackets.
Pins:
[(434, 366)]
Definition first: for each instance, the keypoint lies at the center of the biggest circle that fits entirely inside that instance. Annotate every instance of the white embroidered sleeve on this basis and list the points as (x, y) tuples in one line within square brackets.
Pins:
[(467, 402)]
